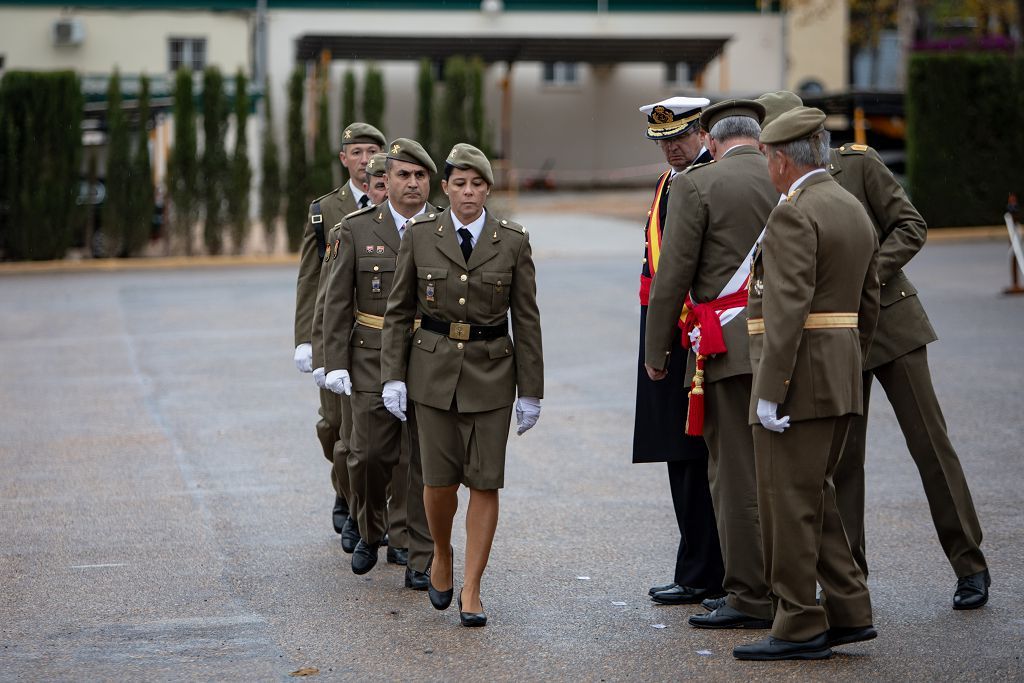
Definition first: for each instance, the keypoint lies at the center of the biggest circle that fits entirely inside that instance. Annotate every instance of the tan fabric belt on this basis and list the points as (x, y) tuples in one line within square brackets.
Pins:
[(377, 321), (815, 321)]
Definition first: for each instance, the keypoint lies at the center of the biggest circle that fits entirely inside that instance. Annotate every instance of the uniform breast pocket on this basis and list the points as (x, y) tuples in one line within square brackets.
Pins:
[(376, 276), (500, 285), (431, 286)]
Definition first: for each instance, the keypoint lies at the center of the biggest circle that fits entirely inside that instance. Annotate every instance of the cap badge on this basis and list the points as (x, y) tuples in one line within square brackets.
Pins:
[(395, 149), (661, 114), (348, 134), (453, 153)]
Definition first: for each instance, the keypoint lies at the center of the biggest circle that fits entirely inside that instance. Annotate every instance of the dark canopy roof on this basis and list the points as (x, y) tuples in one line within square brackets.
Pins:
[(696, 52)]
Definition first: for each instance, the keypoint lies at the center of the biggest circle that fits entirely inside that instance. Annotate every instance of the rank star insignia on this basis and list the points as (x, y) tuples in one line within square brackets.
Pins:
[(348, 134), (380, 249), (395, 149)]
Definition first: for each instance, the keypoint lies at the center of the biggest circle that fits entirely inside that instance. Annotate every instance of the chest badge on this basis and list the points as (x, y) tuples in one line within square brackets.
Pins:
[(380, 249), (759, 287), (430, 291), (375, 284), (369, 248)]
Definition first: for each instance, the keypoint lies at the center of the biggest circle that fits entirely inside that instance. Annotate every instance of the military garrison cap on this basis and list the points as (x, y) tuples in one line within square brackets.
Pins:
[(720, 110), (404, 149), (375, 166), (778, 103), (467, 156), (363, 133), (673, 117), (795, 124)]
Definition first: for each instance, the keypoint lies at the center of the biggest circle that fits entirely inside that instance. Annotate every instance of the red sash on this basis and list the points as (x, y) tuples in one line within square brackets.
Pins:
[(653, 234)]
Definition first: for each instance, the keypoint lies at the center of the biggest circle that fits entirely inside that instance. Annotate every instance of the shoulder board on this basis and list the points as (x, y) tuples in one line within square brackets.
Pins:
[(696, 166), (513, 226), (322, 197), (853, 149), (428, 217), (359, 212)]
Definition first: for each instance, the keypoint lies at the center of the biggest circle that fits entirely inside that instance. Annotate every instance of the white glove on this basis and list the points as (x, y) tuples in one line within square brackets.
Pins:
[(527, 413), (338, 381), (320, 377), (394, 395), (304, 357), (766, 411)]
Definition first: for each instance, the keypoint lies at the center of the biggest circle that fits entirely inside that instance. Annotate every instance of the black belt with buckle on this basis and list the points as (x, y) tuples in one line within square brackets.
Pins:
[(465, 331)]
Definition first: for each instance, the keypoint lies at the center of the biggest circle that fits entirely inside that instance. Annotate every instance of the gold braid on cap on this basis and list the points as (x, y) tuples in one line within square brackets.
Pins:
[(679, 123)]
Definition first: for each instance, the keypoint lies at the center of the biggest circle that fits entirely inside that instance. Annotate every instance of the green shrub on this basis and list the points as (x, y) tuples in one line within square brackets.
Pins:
[(116, 215), (322, 173), (964, 144), (40, 156), (373, 97), (141, 201), (270, 174), (214, 165)]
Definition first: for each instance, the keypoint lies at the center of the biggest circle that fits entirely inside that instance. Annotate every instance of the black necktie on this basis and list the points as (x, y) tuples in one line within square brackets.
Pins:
[(364, 201), (467, 243)]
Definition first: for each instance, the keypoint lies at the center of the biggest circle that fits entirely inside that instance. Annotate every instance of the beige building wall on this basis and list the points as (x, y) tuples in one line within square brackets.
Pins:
[(818, 45), (133, 41), (588, 132)]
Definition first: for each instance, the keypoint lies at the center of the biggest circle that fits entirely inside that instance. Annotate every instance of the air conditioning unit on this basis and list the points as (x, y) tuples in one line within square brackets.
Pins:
[(68, 32)]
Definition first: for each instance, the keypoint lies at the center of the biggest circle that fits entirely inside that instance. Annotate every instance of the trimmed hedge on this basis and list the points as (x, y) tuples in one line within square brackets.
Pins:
[(40, 157), (965, 147)]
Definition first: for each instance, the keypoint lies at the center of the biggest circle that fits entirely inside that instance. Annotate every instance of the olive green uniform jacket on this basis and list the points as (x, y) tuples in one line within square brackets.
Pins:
[(334, 206), (819, 255), (498, 283), (903, 324), (716, 212)]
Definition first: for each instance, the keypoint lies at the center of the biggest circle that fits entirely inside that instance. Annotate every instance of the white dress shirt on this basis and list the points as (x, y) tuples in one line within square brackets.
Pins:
[(401, 220), (357, 194), (475, 228)]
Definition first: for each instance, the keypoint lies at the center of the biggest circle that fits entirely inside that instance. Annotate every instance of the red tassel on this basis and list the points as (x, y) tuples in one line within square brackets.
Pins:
[(695, 411)]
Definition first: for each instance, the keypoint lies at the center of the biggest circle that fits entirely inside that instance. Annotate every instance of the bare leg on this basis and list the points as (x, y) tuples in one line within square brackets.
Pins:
[(440, 503), (481, 522)]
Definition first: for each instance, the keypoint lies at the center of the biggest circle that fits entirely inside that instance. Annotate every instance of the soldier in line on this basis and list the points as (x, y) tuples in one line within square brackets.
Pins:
[(898, 358), (466, 273), (812, 311), (658, 436), (716, 214), (360, 141), (361, 275), (397, 536)]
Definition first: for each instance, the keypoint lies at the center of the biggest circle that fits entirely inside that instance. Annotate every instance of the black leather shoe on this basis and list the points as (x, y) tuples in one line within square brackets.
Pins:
[(727, 617), (844, 635), (399, 556), (972, 591), (340, 514), (471, 619), (773, 648), (712, 604), (350, 535), (418, 581), (685, 595), (659, 589), (365, 557), (442, 599)]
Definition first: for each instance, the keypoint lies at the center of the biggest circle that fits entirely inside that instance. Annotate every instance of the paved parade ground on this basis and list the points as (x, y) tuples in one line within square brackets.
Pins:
[(166, 508)]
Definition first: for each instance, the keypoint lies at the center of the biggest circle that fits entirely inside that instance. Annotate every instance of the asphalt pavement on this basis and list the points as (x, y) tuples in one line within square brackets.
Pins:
[(166, 509)]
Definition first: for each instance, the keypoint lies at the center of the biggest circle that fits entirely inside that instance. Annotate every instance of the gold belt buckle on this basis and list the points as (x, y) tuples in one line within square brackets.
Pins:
[(459, 331)]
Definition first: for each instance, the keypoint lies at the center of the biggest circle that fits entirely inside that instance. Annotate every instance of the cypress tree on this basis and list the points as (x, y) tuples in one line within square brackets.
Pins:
[(475, 78), (373, 97), (241, 172), (322, 175), (215, 160), (348, 98), (425, 108), (270, 172), (117, 218), (297, 176), (40, 156), (453, 105), (141, 200), (183, 166)]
